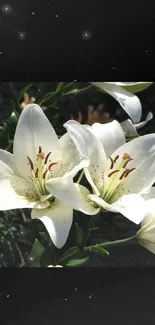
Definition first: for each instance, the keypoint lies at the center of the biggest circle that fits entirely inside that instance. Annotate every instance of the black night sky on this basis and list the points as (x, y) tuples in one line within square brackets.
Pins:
[(72, 40)]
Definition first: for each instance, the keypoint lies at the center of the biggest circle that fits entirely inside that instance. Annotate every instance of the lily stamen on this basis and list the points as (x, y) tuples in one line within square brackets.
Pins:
[(31, 163), (115, 171), (46, 158)]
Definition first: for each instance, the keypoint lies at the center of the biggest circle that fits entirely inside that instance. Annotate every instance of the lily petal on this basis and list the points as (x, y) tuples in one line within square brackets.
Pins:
[(57, 220), (110, 134), (141, 124), (13, 191), (90, 147), (138, 149), (132, 206), (7, 166), (130, 102), (72, 161), (34, 130), (71, 194), (129, 128)]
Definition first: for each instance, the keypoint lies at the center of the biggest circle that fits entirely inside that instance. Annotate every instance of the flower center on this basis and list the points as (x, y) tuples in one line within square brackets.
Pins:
[(116, 177), (41, 172)]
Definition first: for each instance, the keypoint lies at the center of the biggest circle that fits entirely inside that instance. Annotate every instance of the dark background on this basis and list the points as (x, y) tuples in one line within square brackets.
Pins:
[(71, 40)]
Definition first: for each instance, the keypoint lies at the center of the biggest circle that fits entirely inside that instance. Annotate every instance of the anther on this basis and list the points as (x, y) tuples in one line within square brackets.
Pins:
[(51, 165), (112, 163), (129, 171), (31, 163), (44, 174), (46, 158), (115, 171), (116, 158)]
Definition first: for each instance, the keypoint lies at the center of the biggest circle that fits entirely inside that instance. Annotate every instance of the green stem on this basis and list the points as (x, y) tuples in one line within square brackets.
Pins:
[(89, 248), (80, 177), (115, 242), (91, 223)]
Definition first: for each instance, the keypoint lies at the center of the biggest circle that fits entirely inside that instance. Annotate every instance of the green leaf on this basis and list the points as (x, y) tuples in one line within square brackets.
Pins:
[(59, 87), (99, 250), (70, 251), (23, 91), (137, 88), (79, 235), (55, 120), (77, 262), (36, 252), (37, 248)]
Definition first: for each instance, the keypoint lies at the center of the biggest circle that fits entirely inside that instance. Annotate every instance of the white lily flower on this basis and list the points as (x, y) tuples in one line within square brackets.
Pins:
[(39, 156), (119, 183), (146, 234), (129, 102), (130, 129)]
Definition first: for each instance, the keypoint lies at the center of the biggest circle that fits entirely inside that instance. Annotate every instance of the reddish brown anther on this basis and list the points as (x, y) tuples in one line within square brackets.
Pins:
[(115, 171), (31, 163), (116, 158), (51, 165), (44, 174), (112, 163), (46, 158), (129, 171)]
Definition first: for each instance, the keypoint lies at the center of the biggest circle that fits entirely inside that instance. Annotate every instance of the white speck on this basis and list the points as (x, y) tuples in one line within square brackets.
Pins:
[(1, 52), (113, 68), (7, 9), (65, 299), (8, 296), (146, 51), (33, 13), (86, 35), (90, 297), (56, 16), (74, 80), (22, 35), (76, 289), (31, 258)]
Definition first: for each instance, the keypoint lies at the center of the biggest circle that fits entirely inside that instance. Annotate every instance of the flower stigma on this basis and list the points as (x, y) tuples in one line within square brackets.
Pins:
[(40, 172)]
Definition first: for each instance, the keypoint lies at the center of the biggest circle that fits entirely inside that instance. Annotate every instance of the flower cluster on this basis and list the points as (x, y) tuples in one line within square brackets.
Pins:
[(40, 174)]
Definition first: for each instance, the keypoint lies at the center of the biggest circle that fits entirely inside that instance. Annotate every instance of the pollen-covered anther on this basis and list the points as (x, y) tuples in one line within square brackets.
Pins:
[(50, 166), (46, 158), (116, 158), (44, 174), (115, 171), (31, 163), (126, 173), (112, 163)]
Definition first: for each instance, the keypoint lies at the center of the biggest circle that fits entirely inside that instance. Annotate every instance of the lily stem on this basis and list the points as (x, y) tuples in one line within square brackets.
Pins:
[(89, 248), (80, 177)]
